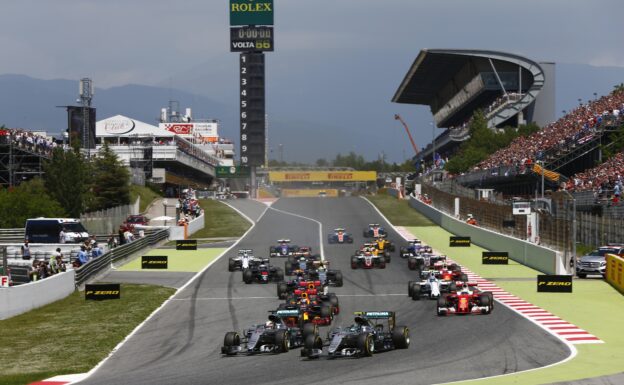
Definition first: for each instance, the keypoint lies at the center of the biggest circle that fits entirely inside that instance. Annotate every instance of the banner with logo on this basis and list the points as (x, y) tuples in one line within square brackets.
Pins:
[(102, 291), (495, 258), (323, 176), (154, 262), (554, 284), (459, 241), (615, 272), (186, 244), (4, 281), (251, 12)]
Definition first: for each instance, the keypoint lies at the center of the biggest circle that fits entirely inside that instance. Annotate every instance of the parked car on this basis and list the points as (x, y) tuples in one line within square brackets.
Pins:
[(596, 261)]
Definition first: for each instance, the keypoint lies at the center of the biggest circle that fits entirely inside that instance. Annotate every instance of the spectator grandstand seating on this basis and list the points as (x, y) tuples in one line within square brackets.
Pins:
[(577, 127)]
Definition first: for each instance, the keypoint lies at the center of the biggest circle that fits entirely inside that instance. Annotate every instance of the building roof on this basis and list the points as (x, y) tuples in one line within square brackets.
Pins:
[(122, 126)]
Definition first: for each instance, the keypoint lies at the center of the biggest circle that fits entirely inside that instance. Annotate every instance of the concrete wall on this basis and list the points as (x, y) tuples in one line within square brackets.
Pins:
[(537, 257), (20, 299), (195, 225)]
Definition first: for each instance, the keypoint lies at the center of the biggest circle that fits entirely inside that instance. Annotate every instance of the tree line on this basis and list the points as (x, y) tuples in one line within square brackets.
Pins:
[(352, 160), (71, 184)]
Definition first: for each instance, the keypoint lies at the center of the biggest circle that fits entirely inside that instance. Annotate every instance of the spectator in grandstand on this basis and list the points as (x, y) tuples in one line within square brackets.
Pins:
[(96, 250), (120, 233), (56, 262), (112, 241), (83, 256), (128, 236), (471, 220), (26, 250)]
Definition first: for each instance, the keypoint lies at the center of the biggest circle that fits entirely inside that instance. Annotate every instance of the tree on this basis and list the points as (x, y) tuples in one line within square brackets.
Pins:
[(322, 162), (67, 179), (111, 181), (28, 200)]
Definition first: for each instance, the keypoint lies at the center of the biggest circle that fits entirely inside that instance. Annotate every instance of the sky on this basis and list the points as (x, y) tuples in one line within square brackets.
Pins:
[(337, 62)]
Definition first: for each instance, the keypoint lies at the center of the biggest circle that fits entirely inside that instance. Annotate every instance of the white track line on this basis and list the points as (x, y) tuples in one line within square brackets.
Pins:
[(310, 219), (273, 297), (139, 326)]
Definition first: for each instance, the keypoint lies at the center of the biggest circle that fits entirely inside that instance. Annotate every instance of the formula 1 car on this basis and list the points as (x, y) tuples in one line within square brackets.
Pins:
[(339, 236), (431, 285), (368, 260), (301, 262), (424, 261), (284, 249), (263, 273), (328, 277), (238, 262), (384, 246), (317, 309), (468, 300), (415, 246), (275, 336), (373, 331), (314, 291), (373, 230)]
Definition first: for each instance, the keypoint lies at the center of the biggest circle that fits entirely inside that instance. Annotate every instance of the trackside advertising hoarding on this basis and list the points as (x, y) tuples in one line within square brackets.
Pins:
[(154, 262), (615, 272), (495, 258), (102, 291), (251, 12), (323, 176), (554, 284)]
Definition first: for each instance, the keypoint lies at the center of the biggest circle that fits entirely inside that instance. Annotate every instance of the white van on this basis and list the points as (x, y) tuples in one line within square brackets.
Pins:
[(48, 230)]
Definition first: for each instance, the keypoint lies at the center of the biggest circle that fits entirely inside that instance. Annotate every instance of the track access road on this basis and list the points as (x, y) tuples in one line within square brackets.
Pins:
[(181, 343)]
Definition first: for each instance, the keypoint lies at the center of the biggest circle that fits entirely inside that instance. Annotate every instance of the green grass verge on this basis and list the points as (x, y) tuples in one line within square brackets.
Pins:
[(398, 211), (594, 306), (221, 221), (147, 196), (178, 260), (63, 337)]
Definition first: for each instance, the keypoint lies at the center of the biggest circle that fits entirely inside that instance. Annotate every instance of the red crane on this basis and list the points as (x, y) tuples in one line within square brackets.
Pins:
[(398, 117)]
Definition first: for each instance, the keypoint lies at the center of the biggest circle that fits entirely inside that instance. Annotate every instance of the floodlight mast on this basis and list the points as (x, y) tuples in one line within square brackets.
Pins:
[(398, 117)]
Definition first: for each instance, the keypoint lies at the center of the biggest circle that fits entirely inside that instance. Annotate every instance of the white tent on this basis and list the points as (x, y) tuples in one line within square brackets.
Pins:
[(122, 126)]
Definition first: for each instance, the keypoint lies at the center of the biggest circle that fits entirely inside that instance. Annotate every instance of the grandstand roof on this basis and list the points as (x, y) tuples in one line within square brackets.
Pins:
[(434, 68), (120, 125)]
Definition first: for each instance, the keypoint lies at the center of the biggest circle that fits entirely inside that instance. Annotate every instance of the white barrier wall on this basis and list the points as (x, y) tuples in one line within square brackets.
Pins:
[(20, 299), (196, 224)]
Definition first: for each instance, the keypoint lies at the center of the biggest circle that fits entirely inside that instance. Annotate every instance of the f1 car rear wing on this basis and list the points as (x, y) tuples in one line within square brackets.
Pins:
[(283, 241), (248, 251)]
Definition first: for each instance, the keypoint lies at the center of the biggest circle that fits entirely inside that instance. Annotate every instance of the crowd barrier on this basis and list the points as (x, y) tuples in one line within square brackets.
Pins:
[(20, 299), (540, 258), (615, 272)]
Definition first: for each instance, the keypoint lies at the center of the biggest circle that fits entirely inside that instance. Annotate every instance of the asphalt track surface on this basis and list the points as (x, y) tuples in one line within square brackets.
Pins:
[(181, 343)]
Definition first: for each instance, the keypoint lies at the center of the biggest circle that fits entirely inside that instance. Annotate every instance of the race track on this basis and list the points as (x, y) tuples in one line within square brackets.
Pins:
[(181, 343)]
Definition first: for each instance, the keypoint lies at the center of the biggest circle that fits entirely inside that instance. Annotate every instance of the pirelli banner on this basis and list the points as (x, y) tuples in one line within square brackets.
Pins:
[(323, 176), (102, 291), (495, 258), (615, 272), (554, 284), (186, 244), (154, 262)]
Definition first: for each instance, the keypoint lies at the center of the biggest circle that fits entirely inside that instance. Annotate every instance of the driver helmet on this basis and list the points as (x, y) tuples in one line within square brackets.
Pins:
[(269, 324), (465, 288)]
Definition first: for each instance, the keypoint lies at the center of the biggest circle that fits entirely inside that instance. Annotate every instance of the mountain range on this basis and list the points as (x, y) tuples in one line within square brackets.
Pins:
[(317, 113)]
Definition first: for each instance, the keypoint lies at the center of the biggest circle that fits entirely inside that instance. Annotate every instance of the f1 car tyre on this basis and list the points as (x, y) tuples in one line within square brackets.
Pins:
[(310, 329), (402, 252), (416, 292), (231, 339), (365, 234), (452, 287), (247, 276), (333, 300), (282, 289), (354, 262), (409, 288), (349, 240), (326, 311), (282, 341), (412, 264), (455, 268), (484, 300), (311, 342), (231, 265), (400, 337), (388, 257), (338, 279), (272, 249), (441, 304), (463, 277), (489, 293), (382, 264), (366, 344)]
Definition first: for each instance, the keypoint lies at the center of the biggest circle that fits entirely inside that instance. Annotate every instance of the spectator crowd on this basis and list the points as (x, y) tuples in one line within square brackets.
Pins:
[(606, 180), (576, 127)]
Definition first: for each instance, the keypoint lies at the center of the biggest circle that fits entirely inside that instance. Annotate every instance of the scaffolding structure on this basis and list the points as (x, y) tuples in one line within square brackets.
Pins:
[(17, 164)]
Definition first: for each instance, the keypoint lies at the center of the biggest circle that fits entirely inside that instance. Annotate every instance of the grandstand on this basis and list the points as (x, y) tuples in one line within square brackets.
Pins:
[(455, 83)]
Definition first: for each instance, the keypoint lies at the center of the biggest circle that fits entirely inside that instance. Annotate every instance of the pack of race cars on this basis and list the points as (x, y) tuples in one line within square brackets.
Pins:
[(303, 286)]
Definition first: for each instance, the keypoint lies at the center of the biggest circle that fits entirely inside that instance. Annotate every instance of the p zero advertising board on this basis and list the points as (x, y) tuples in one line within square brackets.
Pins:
[(252, 113), (154, 262), (186, 244), (251, 38), (495, 258), (554, 284), (323, 176), (251, 12), (459, 242), (102, 291)]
